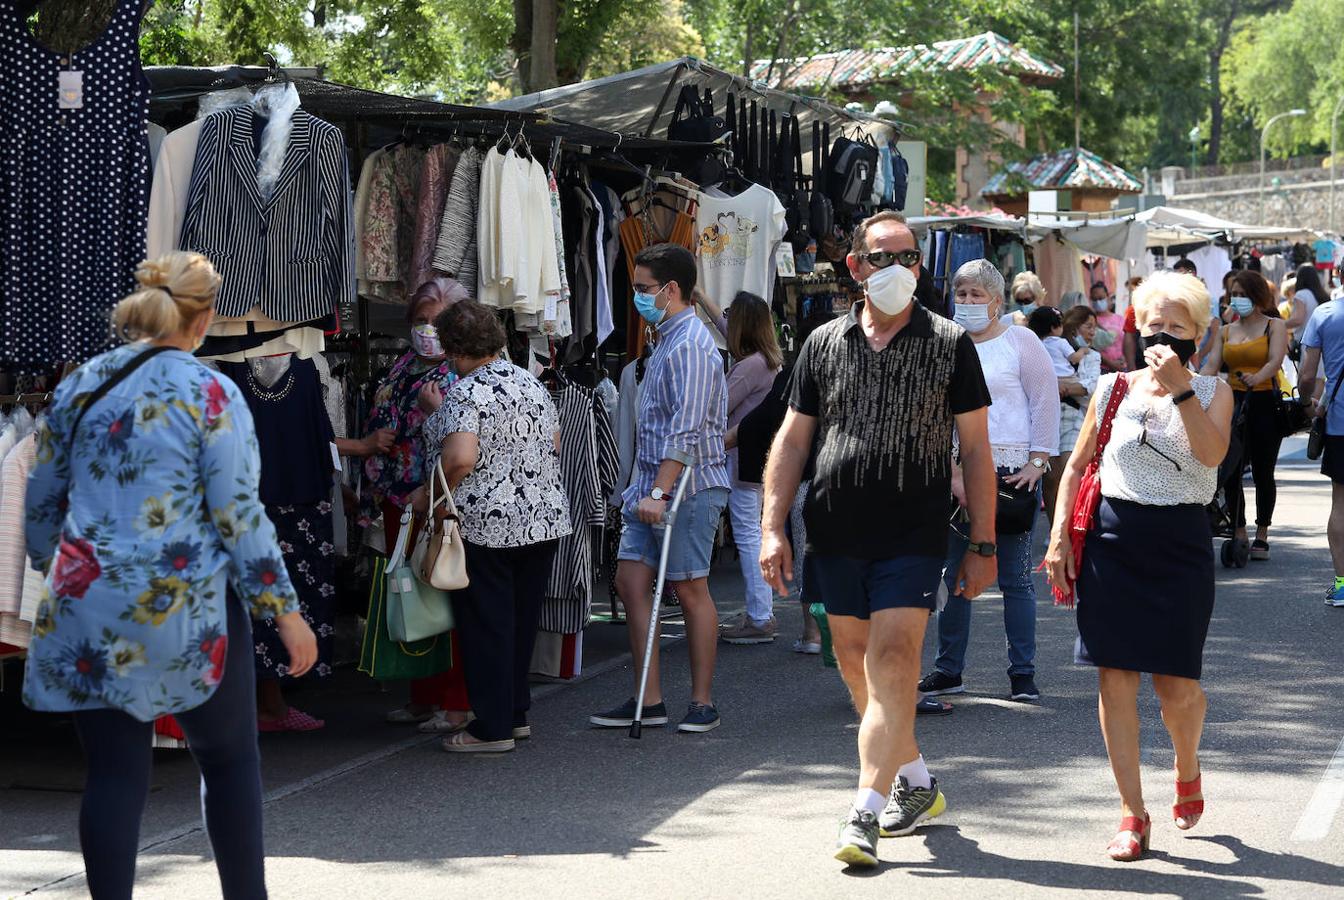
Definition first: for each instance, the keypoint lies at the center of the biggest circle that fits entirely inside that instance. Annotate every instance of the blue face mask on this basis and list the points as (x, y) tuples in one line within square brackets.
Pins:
[(647, 305), (1242, 306)]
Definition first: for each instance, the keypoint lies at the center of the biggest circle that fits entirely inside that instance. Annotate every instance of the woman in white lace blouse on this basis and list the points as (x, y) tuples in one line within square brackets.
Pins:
[(1145, 583), (1023, 434)]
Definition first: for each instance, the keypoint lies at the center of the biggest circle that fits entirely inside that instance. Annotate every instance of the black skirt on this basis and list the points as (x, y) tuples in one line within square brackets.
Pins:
[(1145, 592)]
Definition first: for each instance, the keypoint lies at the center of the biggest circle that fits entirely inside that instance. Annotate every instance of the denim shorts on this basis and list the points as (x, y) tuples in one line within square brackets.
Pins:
[(860, 587), (688, 556)]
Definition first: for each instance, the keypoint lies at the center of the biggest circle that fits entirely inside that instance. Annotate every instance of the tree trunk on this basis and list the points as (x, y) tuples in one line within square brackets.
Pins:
[(521, 42), (1215, 107), (545, 20), (748, 49), (319, 15)]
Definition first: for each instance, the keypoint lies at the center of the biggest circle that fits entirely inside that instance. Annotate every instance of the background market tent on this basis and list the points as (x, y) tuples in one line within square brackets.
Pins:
[(641, 102)]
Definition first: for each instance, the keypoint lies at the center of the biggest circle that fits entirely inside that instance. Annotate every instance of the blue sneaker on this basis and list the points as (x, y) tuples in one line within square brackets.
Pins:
[(700, 718), (623, 715), (1336, 597)]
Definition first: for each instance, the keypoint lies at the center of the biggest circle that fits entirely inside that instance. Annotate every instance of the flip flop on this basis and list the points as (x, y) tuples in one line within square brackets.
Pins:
[(293, 720)]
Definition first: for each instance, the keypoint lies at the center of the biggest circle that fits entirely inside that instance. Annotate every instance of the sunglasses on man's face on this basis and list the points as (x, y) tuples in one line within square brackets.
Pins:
[(881, 259)]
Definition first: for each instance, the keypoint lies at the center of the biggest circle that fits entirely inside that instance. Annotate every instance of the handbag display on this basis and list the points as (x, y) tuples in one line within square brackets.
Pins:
[(440, 557), (415, 610), (1088, 498), (1316, 436)]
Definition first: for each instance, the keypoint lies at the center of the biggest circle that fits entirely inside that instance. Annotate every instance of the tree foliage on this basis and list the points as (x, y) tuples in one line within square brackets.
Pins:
[(1293, 58)]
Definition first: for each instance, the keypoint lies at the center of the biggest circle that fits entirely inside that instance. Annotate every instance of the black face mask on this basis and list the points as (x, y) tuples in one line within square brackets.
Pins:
[(1184, 348)]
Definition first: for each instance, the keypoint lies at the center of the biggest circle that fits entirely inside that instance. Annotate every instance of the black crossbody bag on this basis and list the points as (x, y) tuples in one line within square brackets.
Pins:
[(1316, 436)]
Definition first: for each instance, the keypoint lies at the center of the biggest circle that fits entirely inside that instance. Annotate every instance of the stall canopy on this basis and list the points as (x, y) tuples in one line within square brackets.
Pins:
[(641, 102), (920, 224), (1193, 221), (180, 86)]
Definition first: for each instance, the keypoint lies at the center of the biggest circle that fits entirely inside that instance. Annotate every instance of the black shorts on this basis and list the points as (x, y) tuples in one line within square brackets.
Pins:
[(1332, 460), (854, 587)]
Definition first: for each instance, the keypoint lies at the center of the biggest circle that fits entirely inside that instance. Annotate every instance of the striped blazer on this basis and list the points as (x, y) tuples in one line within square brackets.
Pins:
[(292, 256)]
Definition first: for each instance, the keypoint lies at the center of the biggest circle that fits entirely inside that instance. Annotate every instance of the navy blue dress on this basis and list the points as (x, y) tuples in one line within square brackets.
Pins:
[(74, 188), (294, 435)]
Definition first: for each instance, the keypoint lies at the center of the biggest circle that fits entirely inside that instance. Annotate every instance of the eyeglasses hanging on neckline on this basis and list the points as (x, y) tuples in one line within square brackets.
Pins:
[(1144, 442)]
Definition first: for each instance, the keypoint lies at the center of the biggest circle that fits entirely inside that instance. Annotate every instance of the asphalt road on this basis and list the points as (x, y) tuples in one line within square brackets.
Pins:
[(750, 810)]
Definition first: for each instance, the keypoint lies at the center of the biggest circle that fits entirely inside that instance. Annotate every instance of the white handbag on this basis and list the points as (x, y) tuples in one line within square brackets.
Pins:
[(440, 557)]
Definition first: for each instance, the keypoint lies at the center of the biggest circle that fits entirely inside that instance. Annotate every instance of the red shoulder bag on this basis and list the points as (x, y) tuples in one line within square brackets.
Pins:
[(1088, 499)]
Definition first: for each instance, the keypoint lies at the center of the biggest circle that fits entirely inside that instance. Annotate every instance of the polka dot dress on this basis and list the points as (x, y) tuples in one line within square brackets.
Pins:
[(74, 189)]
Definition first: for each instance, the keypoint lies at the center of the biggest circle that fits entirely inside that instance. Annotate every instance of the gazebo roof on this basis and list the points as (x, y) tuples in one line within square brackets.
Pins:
[(1062, 170)]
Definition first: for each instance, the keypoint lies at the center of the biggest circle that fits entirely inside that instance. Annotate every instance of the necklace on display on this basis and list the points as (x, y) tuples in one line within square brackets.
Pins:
[(271, 396)]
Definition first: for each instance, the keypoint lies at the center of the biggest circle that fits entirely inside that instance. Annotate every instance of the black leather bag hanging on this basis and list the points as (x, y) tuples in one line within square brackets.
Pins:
[(901, 184), (821, 216), (798, 202), (694, 118)]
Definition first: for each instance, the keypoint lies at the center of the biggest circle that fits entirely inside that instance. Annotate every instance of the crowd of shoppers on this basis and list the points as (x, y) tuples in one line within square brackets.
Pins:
[(966, 425)]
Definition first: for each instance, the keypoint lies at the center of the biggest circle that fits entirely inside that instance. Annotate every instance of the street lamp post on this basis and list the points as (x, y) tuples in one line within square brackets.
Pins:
[(1263, 132), (1334, 156)]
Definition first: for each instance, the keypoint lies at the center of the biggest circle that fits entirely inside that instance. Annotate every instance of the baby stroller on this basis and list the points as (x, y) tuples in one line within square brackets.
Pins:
[(1235, 553)]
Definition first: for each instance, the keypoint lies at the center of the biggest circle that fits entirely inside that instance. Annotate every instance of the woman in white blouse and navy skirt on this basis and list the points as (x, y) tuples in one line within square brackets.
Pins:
[(1023, 434), (1145, 584)]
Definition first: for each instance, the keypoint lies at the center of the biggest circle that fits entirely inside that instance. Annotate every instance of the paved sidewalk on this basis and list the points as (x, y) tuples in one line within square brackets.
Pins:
[(750, 810)]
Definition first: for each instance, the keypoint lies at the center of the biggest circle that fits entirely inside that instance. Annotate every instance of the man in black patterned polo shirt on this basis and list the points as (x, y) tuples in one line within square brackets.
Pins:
[(884, 387)]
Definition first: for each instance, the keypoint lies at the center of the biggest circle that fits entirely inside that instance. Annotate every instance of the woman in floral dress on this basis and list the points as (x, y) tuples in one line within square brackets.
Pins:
[(412, 391), (144, 514)]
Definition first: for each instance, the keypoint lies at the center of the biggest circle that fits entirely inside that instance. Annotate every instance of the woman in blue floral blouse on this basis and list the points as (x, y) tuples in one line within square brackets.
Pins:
[(146, 518)]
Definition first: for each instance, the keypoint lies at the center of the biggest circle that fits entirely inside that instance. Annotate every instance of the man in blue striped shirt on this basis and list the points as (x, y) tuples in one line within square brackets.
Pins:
[(683, 413)]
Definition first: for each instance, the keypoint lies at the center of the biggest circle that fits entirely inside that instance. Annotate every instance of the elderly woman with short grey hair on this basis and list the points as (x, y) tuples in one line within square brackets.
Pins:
[(1024, 434)]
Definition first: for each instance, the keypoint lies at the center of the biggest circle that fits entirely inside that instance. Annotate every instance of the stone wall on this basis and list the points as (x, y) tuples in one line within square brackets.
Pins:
[(1296, 198)]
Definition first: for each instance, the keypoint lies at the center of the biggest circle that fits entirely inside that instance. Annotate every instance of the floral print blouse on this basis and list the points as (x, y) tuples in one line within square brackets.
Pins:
[(140, 524), (514, 497), (396, 475)]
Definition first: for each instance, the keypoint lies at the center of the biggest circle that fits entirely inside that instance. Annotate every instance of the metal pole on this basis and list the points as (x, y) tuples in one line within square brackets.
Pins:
[(1334, 155), (1077, 89), (1263, 132)]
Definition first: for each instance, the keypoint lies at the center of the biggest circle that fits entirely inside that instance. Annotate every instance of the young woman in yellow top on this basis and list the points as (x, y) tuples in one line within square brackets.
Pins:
[(1252, 349)]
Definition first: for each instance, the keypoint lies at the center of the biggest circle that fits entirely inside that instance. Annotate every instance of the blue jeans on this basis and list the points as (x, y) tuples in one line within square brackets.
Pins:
[(1019, 605)]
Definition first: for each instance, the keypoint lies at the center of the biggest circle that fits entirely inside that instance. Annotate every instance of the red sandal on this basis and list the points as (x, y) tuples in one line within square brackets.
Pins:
[(1131, 841), (1189, 805)]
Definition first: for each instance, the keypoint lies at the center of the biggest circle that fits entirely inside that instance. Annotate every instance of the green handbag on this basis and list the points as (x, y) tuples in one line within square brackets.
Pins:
[(387, 660), (415, 609)]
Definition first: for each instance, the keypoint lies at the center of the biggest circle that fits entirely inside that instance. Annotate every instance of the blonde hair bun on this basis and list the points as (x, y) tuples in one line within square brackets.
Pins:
[(174, 289), (151, 274)]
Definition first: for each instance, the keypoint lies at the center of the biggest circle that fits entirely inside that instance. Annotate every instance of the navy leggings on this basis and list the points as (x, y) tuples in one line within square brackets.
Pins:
[(222, 735)]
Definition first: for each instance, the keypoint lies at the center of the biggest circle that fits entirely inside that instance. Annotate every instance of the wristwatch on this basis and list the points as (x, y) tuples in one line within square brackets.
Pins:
[(658, 494), (984, 548), (1041, 464)]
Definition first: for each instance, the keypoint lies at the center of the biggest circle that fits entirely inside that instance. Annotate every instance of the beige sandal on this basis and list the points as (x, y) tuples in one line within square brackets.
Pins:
[(465, 743)]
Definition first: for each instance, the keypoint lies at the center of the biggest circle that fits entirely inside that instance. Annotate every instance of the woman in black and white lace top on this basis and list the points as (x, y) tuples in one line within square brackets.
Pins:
[(1145, 585)]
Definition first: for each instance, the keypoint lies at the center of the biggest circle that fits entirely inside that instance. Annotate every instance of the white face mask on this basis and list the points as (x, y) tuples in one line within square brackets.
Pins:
[(425, 341), (890, 289), (974, 317)]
